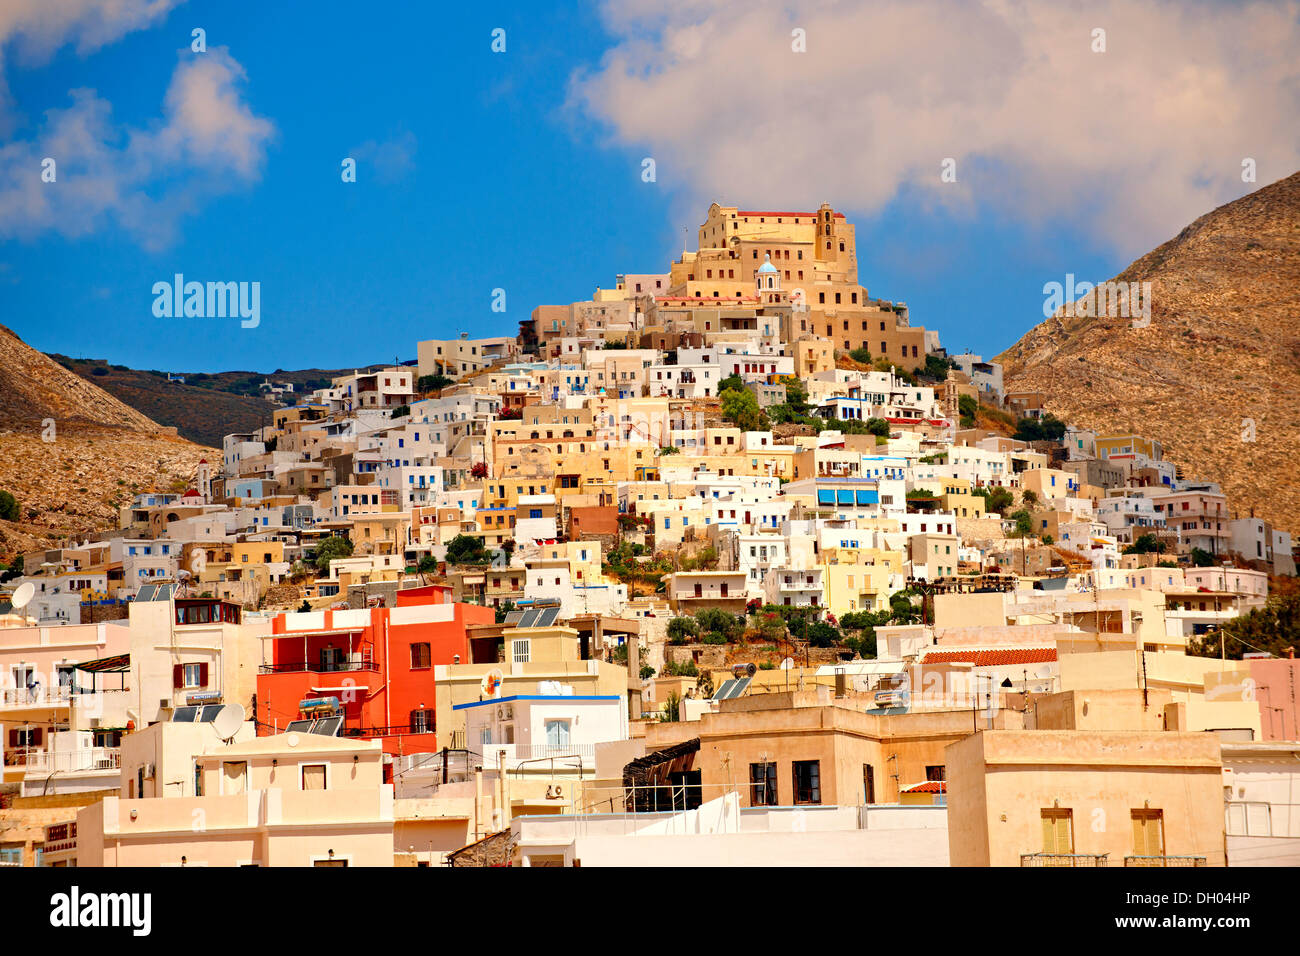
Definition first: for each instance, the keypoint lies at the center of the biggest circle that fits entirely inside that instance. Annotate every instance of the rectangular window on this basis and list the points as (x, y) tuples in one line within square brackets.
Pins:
[(194, 675), (557, 733), (868, 783), (420, 656), (520, 651), (762, 784), (313, 776), (807, 781), (1058, 830)]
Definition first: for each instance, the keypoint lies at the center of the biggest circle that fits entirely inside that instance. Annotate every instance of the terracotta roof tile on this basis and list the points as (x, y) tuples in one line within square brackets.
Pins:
[(993, 658), (930, 786)]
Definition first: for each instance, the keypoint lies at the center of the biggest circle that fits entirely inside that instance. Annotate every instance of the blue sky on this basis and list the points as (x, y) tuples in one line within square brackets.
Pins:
[(476, 171)]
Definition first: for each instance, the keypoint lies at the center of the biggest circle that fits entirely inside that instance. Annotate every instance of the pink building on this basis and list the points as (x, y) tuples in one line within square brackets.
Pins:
[(1277, 687)]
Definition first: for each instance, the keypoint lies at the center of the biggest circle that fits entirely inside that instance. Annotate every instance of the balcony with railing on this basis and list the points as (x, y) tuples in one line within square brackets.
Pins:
[(363, 663), (526, 758), (1164, 861), (36, 761), (39, 696), (1064, 859)]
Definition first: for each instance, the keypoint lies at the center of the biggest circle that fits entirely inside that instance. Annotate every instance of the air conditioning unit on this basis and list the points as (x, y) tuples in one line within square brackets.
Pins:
[(96, 723)]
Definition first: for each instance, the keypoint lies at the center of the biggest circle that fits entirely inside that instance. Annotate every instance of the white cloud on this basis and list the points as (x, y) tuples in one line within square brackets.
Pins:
[(1128, 145), (42, 26), (390, 159), (207, 142), (36, 28)]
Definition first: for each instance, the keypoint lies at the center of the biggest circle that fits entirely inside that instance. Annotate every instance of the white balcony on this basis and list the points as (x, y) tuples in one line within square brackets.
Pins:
[(86, 760), (24, 697)]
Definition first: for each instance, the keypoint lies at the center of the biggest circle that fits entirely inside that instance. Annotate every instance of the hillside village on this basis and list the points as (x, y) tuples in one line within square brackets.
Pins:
[(733, 554)]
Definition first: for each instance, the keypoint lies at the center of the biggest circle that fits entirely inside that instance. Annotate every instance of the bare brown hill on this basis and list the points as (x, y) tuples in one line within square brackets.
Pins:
[(1216, 375), (70, 453)]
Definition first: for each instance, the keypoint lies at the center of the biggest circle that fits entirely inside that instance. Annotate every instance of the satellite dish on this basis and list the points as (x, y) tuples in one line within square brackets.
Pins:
[(491, 683), (787, 664), (228, 721), (182, 575), (23, 595)]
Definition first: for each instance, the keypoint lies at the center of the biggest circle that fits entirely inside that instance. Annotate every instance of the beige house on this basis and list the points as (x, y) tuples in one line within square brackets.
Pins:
[(291, 799), (1072, 798)]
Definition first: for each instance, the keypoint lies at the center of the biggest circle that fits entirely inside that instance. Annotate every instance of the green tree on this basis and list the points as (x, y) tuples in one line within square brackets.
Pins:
[(8, 507), (400, 411), (1273, 629), (672, 707), (741, 409), (718, 626), (681, 629), (861, 354), (967, 406), (878, 426), (1145, 544), (796, 395), (996, 498), (433, 383), (330, 549), (1047, 428), (467, 549), (822, 634), (1202, 559), (936, 367), (1024, 523), (731, 383), (902, 610), (428, 564), (685, 668), (15, 570), (503, 610)]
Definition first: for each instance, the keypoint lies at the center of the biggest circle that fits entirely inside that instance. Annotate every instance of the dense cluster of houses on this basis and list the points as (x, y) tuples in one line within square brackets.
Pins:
[(720, 556)]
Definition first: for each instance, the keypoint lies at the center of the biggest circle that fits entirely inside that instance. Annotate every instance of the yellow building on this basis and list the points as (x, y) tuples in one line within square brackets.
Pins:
[(1072, 798)]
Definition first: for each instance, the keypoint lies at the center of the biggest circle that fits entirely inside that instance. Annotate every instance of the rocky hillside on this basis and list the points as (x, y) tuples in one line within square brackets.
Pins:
[(1216, 374), (205, 407), (70, 452)]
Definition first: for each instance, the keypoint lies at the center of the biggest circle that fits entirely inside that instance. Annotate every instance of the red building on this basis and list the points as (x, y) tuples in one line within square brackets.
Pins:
[(377, 662)]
